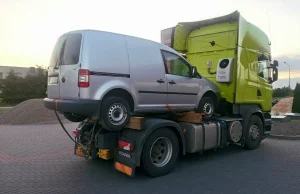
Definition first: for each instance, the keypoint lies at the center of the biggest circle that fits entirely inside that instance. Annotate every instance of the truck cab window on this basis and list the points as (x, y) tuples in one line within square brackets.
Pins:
[(175, 65), (263, 70)]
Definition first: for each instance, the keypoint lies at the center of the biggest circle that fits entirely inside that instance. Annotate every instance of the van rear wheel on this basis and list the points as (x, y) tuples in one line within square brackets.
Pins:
[(115, 113)]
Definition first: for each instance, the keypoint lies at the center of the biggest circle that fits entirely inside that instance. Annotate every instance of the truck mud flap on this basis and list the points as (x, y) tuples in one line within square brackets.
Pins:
[(124, 163)]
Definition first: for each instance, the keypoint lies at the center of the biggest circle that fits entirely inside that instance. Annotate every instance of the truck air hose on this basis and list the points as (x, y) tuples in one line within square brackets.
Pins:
[(62, 125)]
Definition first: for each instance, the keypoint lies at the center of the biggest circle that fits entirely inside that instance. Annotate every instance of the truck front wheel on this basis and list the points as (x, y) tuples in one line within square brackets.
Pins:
[(254, 132), (160, 152)]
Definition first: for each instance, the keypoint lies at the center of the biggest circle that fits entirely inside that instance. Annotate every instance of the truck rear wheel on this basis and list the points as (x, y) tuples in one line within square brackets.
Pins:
[(254, 132), (160, 152), (115, 113)]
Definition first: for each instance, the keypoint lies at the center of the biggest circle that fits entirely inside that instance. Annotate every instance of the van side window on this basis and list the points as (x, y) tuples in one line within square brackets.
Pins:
[(72, 50), (176, 65)]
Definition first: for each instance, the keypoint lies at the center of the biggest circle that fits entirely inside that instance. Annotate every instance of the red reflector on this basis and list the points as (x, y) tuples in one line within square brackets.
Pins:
[(83, 78), (125, 145), (75, 133)]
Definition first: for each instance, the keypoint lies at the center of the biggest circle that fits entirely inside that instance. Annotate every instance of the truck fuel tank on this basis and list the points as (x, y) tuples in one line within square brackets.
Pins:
[(201, 137)]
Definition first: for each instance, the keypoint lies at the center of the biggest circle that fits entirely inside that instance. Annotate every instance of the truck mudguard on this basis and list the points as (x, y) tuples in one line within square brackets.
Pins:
[(138, 137), (247, 112)]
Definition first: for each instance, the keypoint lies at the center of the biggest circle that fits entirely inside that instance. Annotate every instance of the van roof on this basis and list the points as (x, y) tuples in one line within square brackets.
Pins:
[(86, 30)]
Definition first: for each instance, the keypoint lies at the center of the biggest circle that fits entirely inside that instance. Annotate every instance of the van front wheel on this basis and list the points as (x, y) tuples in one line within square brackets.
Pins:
[(115, 113)]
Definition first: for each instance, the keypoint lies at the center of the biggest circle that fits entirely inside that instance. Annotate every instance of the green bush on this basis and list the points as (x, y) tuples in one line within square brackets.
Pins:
[(296, 101), (15, 89), (282, 92)]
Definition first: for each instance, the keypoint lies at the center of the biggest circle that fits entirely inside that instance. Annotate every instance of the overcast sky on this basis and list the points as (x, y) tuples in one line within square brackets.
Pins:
[(29, 28)]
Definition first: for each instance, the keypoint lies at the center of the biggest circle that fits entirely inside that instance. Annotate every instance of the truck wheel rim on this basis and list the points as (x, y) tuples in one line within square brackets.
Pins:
[(207, 108), (117, 114), (254, 132), (161, 151)]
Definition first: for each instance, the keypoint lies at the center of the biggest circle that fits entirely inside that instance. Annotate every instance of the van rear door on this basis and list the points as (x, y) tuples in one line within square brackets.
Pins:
[(69, 67), (54, 70)]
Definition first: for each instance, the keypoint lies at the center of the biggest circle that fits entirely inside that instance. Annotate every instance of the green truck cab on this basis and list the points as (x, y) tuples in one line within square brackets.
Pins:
[(234, 54)]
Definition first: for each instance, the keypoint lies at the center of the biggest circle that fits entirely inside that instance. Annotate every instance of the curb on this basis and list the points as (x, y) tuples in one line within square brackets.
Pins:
[(284, 137)]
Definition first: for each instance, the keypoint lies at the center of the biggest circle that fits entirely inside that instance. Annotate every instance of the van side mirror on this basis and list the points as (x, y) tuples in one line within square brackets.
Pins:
[(194, 71)]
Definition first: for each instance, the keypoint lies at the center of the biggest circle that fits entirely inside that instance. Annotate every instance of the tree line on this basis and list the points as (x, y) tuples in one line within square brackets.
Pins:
[(282, 92), (15, 88)]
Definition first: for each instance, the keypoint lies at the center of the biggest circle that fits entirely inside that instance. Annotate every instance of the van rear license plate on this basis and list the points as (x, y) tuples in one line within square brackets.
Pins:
[(53, 80)]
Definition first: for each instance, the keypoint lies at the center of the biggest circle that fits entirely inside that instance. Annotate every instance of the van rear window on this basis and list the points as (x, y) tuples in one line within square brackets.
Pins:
[(56, 51), (72, 50)]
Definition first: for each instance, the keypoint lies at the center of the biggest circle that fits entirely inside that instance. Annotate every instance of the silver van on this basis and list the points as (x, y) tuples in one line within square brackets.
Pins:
[(109, 76)]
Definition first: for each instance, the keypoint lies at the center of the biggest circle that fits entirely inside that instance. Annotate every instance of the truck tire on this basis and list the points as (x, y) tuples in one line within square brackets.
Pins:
[(74, 118), (207, 106), (115, 113), (160, 152), (254, 133)]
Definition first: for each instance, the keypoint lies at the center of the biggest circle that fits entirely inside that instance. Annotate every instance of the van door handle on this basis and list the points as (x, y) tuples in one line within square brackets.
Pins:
[(172, 82), (160, 81)]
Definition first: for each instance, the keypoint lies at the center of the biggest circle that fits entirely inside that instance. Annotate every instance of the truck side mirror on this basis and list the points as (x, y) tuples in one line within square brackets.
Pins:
[(275, 74), (275, 63)]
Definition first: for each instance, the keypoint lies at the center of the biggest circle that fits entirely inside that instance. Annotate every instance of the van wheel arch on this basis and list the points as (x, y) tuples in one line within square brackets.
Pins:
[(119, 92)]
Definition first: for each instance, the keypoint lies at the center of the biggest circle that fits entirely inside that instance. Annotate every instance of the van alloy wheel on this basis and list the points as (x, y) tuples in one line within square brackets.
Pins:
[(117, 113), (207, 106), (208, 109)]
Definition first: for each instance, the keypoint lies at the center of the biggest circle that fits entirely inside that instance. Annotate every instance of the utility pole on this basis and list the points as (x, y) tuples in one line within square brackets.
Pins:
[(289, 75)]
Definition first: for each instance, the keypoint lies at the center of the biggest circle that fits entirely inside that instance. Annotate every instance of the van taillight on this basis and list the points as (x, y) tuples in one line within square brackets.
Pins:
[(83, 78)]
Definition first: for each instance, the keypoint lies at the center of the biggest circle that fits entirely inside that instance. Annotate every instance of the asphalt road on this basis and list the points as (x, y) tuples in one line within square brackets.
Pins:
[(40, 159)]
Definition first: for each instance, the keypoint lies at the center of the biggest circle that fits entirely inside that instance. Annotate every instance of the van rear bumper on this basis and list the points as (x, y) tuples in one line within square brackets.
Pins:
[(86, 108)]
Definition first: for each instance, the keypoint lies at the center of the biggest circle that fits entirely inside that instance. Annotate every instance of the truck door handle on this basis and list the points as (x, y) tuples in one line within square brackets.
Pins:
[(160, 81), (259, 92), (172, 82)]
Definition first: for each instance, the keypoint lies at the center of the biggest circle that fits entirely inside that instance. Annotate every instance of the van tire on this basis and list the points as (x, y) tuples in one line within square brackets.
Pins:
[(114, 113), (207, 102), (74, 118), (169, 149)]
